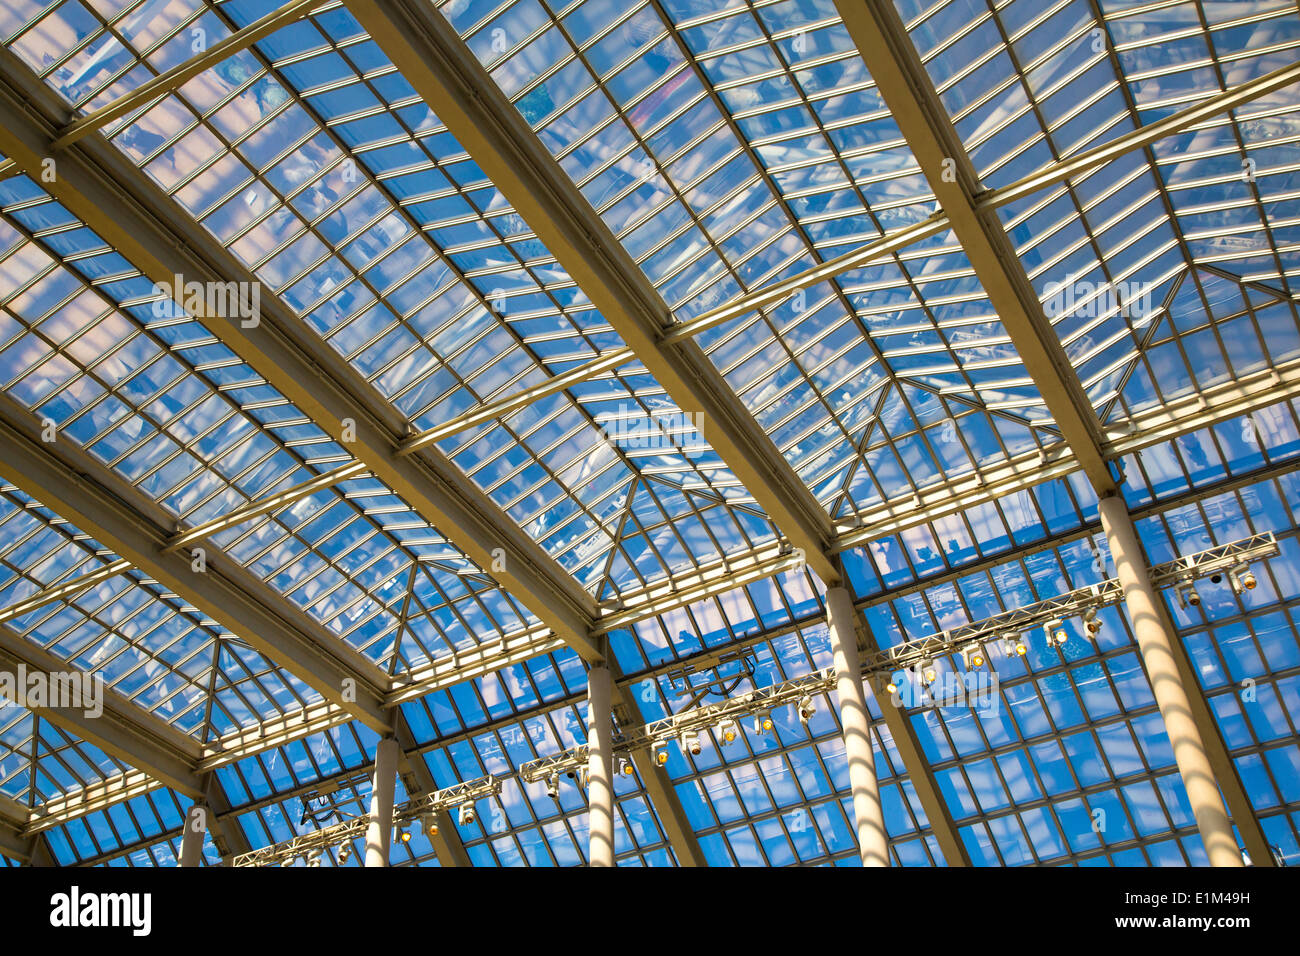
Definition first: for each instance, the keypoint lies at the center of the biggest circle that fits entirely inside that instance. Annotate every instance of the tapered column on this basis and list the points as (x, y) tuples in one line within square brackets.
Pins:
[(196, 828), (1156, 645), (873, 844), (379, 833), (600, 766)]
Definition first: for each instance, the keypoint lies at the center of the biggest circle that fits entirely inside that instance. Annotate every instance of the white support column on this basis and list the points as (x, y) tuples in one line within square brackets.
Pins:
[(380, 832), (873, 844), (1155, 644), (196, 828), (600, 766)]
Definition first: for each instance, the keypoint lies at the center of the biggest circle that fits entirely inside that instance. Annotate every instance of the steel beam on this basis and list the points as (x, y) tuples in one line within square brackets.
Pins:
[(667, 806), (1089, 161), (915, 762), (623, 686), (1195, 411), (266, 504), (66, 479), (399, 449), (102, 188), (891, 243), (64, 590), (906, 88), (227, 835), (452, 82), (147, 93)]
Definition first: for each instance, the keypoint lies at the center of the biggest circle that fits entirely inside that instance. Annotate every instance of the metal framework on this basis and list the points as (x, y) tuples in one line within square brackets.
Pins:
[(457, 88), (907, 90), (119, 202), (161, 241), (311, 721), (69, 481)]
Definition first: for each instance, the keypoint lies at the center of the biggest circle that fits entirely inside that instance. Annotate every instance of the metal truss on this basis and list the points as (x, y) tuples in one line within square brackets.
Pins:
[(689, 723), (309, 846), (99, 167), (702, 659), (418, 781), (880, 664), (1054, 610), (70, 482), (122, 730), (1076, 167), (63, 591), (118, 201), (323, 386), (323, 716)]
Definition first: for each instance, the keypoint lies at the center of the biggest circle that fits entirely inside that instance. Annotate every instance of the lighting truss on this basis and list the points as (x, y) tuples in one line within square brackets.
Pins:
[(693, 721), (1183, 569), (909, 654), (306, 844)]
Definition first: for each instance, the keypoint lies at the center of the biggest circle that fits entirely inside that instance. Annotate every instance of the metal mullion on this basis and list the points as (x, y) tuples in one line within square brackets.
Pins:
[(346, 635)]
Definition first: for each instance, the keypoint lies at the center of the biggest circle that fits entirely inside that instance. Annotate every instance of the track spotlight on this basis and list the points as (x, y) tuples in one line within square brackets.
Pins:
[(312, 857), (891, 687), (973, 657), (428, 826), (727, 731), (690, 742), (806, 710), (660, 753), (929, 674), (345, 851), (466, 815), (1091, 623), (763, 723), (625, 767), (1188, 596), (1055, 632), (1013, 645), (403, 835), (553, 786), (1242, 579)]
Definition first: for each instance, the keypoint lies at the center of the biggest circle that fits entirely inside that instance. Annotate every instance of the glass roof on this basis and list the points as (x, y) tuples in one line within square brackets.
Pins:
[(727, 147)]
